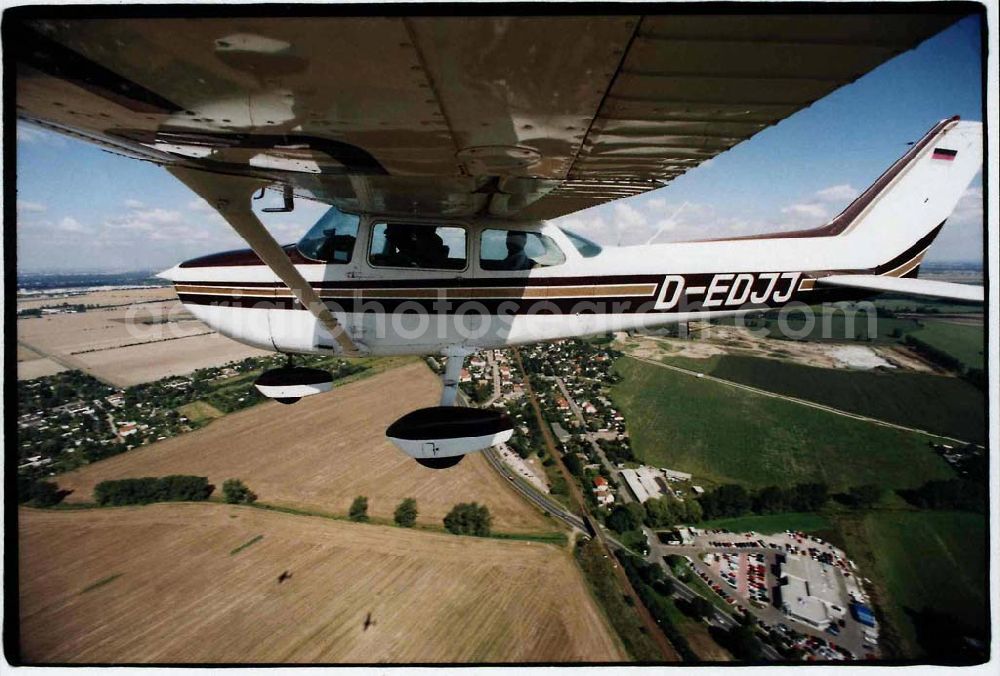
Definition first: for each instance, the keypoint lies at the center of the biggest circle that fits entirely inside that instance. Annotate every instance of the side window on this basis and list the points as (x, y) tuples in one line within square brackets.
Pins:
[(412, 245), (332, 239), (518, 250)]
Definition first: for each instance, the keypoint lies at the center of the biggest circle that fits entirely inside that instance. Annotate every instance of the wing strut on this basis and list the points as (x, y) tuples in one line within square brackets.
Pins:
[(230, 196)]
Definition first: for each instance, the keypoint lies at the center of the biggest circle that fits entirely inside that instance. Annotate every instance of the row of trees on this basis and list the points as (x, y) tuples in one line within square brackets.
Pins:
[(653, 589), (152, 489), (961, 494), (405, 515), (730, 500), (37, 493), (466, 518)]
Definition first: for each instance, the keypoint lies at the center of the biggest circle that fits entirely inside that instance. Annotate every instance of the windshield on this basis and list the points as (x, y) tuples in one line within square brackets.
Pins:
[(332, 239), (586, 248)]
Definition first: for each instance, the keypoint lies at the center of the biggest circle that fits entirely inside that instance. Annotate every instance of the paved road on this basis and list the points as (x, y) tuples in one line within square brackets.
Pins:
[(796, 400), (539, 499)]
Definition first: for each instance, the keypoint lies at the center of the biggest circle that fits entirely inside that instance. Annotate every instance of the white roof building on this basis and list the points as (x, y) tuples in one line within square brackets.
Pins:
[(644, 482), (812, 592)]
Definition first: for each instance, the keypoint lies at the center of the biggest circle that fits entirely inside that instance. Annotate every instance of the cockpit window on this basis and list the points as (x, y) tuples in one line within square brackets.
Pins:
[(518, 250), (332, 239), (586, 248), (415, 245)]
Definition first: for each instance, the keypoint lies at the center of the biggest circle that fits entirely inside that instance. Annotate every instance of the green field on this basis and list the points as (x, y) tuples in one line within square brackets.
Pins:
[(964, 342), (938, 404), (807, 522), (927, 306), (199, 411), (923, 559), (723, 434)]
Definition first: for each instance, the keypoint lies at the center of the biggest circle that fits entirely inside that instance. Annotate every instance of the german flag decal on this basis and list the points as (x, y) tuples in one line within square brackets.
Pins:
[(944, 154)]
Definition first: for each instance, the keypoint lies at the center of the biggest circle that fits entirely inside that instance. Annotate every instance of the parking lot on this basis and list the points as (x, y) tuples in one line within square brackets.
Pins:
[(744, 569)]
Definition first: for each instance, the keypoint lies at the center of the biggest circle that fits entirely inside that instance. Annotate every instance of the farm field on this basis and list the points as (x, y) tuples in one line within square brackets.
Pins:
[(938, 404), (109, 297), (964, 342), (126, 344), (102, 329), (834, 325), (136, 364), (199, 583), (322, 452), (722, 434), (807, 522), (710, 342), (924, 560), (36, 368)]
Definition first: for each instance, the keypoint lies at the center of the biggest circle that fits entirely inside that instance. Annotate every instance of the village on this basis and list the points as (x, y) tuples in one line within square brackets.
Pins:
[(805, 596), (71, 419)]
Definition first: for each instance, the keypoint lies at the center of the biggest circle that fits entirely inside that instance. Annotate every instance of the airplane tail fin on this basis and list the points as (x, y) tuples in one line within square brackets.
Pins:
[(894, 221)]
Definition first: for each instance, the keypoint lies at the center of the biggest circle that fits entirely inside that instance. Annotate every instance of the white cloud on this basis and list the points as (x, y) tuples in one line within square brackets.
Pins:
[(805, 210), (838, 193), (29, 133), (198, 204), (70, 224), (970, 207), (134, 204), (32, 207)]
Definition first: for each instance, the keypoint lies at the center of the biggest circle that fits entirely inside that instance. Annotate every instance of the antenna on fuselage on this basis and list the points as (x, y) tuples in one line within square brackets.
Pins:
[(668, 221)]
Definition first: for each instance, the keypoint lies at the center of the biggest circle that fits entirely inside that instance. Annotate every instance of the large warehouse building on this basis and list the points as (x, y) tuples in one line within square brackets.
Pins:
[(812, 592)]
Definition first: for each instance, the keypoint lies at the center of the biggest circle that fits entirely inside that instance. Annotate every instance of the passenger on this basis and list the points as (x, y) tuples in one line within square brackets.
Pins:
[(516, 258)]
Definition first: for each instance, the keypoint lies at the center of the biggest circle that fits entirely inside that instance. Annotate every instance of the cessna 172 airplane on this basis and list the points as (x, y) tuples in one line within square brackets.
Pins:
[(443, 145)]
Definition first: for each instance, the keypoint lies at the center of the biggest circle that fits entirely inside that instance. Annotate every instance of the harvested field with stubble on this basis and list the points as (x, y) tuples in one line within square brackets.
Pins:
[(320, 453), (138, 337), (127, 366), (183, 590), (102, 298)]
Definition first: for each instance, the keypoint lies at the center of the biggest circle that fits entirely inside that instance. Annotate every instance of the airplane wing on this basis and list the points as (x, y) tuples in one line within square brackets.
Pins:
[(513, 117), (907, 286)]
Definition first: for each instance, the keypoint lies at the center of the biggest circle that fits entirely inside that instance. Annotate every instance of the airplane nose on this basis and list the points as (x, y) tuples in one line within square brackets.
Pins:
[(169, 274)]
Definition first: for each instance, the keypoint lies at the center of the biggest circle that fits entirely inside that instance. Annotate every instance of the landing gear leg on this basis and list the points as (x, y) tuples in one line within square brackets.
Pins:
[(453, 373)]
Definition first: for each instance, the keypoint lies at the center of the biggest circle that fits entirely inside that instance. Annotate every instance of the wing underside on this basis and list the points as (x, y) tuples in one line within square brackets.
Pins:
[(511, 117)]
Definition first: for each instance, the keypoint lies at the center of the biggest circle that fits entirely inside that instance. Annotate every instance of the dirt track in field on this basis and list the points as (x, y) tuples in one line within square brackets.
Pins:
[(160, 584), (320, 453)]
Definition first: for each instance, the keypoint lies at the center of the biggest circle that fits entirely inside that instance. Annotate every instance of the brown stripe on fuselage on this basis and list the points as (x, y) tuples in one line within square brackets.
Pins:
[(515, 292)]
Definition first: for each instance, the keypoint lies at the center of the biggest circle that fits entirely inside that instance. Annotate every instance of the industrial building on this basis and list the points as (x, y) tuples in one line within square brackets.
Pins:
[(812, 592), (644, 482)]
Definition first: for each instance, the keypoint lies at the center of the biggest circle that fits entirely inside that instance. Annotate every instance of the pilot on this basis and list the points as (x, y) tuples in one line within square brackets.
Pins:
[(516, 258), (429, 248), (400, 246)]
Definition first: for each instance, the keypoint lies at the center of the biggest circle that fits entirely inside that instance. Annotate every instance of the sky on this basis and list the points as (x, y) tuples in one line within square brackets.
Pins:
[(82, 209)]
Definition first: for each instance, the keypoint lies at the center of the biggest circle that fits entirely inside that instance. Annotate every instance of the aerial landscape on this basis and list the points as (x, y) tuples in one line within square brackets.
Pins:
[(559, 340), (914, 504)]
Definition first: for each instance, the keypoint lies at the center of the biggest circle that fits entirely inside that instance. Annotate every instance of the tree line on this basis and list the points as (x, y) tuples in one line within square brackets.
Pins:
[(145, 490), (729, 500), (465, 518)]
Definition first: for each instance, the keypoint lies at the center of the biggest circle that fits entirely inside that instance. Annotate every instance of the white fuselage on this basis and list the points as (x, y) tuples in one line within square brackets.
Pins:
[(452, 295), (414, 311)]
